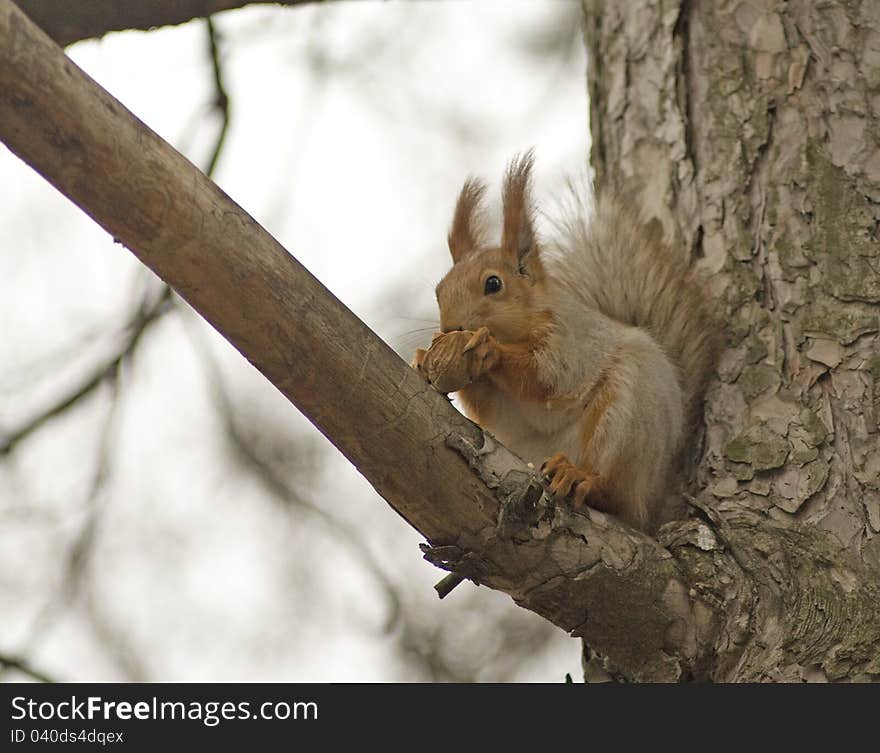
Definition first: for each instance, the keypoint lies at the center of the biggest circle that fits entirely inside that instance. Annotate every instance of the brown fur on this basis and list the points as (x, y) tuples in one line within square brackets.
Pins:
[(595, 410), (517, 371), (604, 355), (518, 235), (636, 278), (464, 235)]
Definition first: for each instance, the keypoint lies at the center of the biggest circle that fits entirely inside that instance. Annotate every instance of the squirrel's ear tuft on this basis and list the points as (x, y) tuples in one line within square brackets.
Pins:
[(465, 235), (518, 234)]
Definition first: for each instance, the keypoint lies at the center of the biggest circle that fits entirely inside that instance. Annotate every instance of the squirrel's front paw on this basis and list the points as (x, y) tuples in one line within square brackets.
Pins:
[(564, 478), (456, 359), (418, 360)]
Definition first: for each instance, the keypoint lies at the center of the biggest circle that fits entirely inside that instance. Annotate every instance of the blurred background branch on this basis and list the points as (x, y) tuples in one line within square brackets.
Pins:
[(14, 664), (150, 308)]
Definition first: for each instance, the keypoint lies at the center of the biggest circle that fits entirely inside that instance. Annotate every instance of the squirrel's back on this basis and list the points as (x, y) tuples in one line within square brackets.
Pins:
[(619, 265)]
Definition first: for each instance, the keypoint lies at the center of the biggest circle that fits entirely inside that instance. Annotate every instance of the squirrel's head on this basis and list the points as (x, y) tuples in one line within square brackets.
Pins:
[(501, 287)]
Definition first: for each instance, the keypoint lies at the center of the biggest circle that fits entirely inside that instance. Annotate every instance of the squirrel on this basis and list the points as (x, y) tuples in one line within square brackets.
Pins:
[(588, 355)]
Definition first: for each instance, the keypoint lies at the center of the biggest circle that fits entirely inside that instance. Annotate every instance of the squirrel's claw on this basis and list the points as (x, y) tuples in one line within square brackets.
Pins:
[(477, 338), (564, 480)]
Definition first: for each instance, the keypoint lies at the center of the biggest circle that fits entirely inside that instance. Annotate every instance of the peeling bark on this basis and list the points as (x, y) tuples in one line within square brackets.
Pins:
[(751, 131)]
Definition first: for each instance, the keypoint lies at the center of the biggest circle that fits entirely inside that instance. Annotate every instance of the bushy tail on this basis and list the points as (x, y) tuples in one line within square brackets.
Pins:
[(636, 278)]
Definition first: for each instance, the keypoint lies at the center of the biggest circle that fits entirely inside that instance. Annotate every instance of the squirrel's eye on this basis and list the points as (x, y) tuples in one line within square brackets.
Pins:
[(493, 285)]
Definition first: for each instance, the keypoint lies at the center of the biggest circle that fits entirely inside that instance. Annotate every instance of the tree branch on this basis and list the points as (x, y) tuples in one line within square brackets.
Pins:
[(584, 572), (68, 22), (249, 458)]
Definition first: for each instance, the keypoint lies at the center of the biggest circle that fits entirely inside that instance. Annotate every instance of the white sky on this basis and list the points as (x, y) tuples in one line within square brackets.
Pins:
[(353, 126)]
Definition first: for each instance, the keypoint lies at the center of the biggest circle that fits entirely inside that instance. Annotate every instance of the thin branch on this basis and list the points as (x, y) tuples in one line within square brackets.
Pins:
[(221, 98), (447, 585), (147, 313), (79, 554), (68, 22)]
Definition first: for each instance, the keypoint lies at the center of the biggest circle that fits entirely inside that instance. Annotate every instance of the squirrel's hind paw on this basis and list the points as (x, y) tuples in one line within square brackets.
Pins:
[(564, 479)]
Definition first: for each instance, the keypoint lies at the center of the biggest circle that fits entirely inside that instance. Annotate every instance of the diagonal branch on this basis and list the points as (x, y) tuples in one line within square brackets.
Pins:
[(490, 522), (68, 22), (221, 96), (152, 304), (277, 486)]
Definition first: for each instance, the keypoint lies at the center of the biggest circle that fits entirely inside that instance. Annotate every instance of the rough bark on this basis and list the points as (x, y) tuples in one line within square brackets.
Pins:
[(751, 131), (67, 22)]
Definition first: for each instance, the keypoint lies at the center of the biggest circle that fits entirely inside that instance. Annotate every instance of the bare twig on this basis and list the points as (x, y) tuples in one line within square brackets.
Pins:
[(80, 551), (147, 312), (221, 98), (447, 584)]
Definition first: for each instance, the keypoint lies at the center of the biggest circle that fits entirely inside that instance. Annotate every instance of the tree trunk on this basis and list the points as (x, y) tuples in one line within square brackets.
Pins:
[(751, 131)]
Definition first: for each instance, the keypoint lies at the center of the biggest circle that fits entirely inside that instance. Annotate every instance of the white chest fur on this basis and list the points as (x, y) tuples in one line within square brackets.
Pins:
[(535, 431)]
